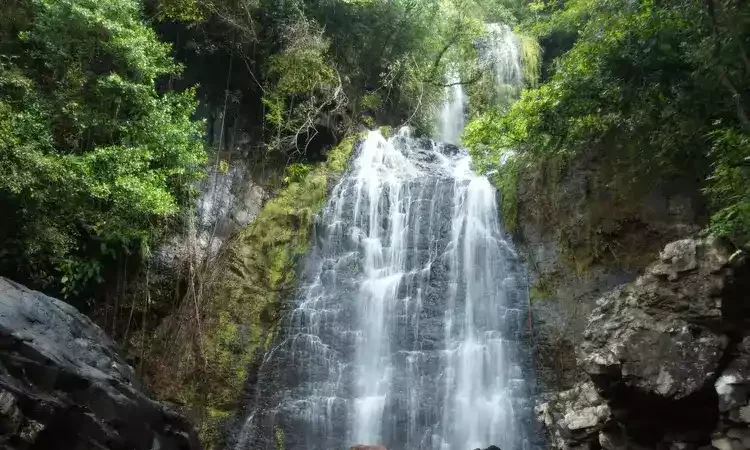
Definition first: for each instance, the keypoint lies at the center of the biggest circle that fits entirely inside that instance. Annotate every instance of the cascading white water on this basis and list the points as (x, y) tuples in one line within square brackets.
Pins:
[(383, 192), (501, 52), (479, 374), (407, 329), (406, 332), (499, 55), (452, 114)]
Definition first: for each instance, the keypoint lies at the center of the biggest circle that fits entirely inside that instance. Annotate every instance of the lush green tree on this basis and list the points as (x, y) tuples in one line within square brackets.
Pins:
[(338, 64), (657, 88), (94, 160)]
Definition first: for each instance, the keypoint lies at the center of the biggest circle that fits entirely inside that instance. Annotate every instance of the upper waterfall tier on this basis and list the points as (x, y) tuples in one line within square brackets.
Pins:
[(405, 331), (499, 56)]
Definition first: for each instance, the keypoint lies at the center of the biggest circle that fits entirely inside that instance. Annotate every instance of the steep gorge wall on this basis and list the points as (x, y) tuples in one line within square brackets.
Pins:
[(206, 352), (582, 232), (638, 345), (194, 317)]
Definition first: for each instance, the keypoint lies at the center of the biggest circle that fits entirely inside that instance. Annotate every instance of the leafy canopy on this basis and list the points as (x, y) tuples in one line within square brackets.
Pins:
[(94, 161), (658, 88), (338, 64)]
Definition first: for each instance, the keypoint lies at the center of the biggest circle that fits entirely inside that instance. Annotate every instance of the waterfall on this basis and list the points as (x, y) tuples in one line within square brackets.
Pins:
[(500, 57), (407, 325), (452, 114), (500, 52)]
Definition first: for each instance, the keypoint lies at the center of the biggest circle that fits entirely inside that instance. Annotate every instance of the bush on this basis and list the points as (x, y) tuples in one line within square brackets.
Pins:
[(94, 161), (652, 89)]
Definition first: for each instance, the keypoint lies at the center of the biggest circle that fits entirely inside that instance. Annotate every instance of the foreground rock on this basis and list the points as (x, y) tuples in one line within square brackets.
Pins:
[(667, 357), (63, 385), (573, 416)]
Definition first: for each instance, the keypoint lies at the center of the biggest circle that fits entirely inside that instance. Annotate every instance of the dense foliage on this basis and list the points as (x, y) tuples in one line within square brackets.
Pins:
[(93, 160), (99, 152), (656, 88), (307, 68), (241, 321)]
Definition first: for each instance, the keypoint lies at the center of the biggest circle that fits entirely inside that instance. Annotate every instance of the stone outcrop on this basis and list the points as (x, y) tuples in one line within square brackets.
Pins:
[(63, 384), (573, 416), (582, 232), (667, 359), (732, 388)]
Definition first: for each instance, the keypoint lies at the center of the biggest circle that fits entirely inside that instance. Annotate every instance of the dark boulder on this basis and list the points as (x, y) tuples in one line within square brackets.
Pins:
[(63, 384), (666, 358)]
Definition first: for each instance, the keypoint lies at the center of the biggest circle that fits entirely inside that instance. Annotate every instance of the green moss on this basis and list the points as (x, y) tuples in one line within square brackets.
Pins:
[(386, 131), (260, 277), (531, 60), (372, 101), (209, 428), (339, 155), (368, 121), (506, 180), (279, 435), (544, 288)]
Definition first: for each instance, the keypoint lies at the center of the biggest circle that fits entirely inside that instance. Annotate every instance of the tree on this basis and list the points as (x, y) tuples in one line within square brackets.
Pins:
[(337, 64), (657, 88), (94, 160)]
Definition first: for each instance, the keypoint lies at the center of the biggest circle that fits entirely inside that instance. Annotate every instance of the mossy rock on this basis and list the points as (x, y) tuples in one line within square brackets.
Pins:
[(260, 276)]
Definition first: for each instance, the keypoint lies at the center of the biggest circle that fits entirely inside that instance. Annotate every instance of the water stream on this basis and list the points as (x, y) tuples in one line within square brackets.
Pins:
[(407, 328), (452, 114)]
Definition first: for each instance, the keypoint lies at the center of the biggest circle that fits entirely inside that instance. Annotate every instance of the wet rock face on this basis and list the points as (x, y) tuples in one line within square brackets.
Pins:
[(732, 388), (575, 415), (667, 357), (583, 235), (63, 384), (313, 384)]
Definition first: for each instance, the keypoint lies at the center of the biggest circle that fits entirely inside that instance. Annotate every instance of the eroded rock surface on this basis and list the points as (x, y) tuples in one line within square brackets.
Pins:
[(574, 416), (667, 357), (732, 388), (63, 384)]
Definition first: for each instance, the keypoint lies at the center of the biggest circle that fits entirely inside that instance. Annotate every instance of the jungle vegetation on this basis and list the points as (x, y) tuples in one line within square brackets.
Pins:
[(112, 112), (655, 88)]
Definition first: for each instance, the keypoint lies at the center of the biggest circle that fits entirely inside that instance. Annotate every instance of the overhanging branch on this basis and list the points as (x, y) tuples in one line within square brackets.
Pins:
[(471, 80)]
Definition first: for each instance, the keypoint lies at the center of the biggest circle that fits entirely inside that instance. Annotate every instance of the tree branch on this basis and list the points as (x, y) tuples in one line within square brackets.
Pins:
[(472, 80), (451, 42)]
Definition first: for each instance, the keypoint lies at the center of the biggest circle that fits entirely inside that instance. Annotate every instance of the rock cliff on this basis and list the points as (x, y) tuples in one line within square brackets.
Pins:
[(64, 385), (583, 231), (667, 359)]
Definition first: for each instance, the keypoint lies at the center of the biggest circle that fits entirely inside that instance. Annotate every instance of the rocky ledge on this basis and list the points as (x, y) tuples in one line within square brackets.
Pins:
[(667, 357), (63, 384)]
